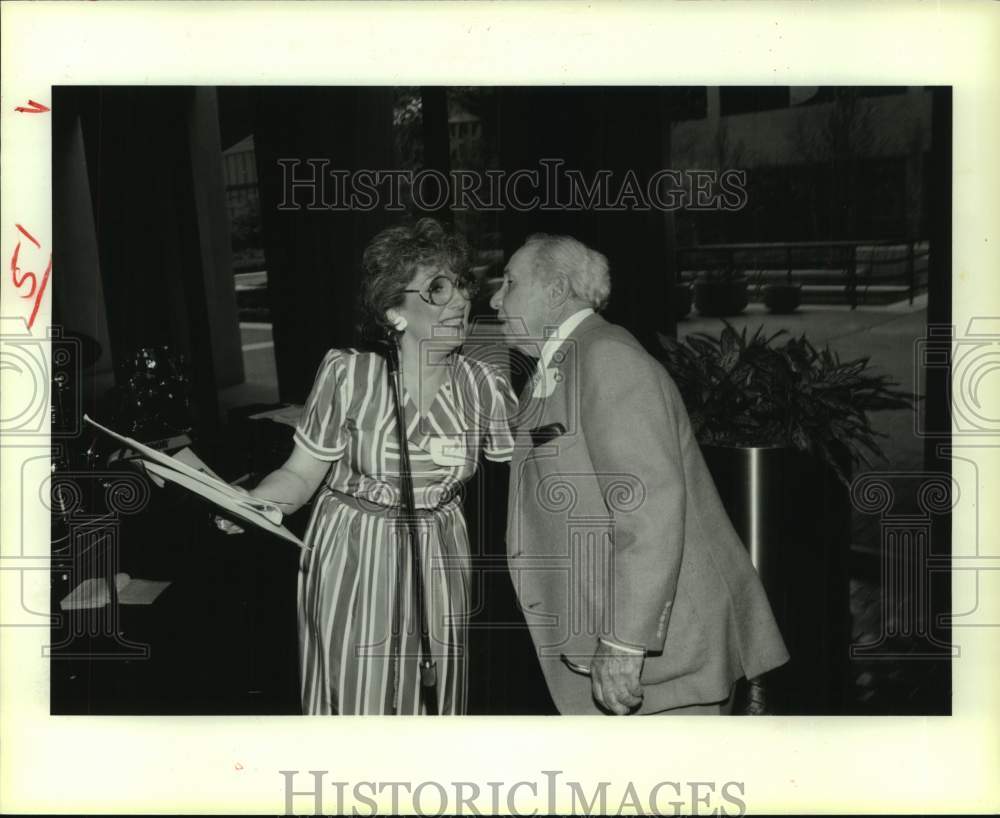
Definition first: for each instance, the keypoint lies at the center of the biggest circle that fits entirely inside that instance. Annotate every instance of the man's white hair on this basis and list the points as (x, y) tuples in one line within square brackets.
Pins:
[(586, 270)]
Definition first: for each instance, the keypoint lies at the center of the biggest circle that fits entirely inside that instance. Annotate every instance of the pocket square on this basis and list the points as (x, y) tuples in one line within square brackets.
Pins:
[(546, 434)]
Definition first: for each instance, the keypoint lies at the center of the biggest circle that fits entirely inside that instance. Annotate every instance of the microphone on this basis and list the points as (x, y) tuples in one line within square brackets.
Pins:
[(384, 341), (391, 349)]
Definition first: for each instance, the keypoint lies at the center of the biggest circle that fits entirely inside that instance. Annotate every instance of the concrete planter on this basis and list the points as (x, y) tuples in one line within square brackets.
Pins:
[(721, 298), (783, 298)]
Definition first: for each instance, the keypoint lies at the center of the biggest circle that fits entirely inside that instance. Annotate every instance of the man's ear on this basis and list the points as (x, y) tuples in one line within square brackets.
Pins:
[(558, 291)]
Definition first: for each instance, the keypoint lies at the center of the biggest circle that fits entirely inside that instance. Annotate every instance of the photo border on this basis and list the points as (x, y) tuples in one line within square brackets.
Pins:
[(788, 765)]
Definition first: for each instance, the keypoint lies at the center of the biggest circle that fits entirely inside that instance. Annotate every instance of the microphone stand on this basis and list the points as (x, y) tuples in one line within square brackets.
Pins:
[(428, 669)]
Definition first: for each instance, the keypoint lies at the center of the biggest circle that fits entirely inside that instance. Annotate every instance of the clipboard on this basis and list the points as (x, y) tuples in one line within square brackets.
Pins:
[(248, 509)]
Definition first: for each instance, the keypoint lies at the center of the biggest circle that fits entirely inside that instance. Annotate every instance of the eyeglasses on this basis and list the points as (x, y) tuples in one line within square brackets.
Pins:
[(441, 289)]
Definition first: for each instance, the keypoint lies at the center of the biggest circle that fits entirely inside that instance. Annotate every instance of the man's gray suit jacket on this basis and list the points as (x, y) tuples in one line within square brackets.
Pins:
[(616, 530)]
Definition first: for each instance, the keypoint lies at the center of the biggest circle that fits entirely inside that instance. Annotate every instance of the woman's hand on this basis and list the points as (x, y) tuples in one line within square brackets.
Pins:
[(288, 487), (228, 526)]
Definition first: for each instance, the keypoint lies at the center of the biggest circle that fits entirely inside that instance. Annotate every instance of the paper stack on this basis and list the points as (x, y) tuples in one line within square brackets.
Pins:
[(93, 593), (187, 470)]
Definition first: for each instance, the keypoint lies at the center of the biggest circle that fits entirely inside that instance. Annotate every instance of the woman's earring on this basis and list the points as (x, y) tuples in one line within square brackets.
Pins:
[(398, 321)]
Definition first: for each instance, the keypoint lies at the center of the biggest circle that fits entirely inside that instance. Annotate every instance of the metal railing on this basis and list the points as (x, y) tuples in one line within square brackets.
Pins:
[(853, 266)]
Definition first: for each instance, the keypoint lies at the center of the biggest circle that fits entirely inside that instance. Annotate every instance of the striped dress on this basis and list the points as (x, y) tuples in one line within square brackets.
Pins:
[(348, 581)]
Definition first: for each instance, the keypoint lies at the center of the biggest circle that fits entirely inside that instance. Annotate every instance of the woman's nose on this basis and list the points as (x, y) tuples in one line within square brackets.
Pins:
[(497, 299)]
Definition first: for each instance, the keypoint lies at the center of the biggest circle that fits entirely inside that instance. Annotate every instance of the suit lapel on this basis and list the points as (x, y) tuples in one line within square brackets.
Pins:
[(588, 325), (527, 389), (556, 407)]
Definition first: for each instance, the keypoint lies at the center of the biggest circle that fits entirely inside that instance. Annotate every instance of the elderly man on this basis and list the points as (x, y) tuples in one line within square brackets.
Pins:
[(638, 593)]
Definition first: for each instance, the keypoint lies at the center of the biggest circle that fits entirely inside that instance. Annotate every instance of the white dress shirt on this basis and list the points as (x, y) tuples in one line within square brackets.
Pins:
[(543, 379)]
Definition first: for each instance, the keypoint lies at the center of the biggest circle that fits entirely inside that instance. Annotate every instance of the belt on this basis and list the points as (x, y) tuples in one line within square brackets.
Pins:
[(372, 507)]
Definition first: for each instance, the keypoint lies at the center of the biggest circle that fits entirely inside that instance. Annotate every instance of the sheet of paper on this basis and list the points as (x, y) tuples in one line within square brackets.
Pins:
[(92, 593), (288, 415), (189, 458), (195, 474), (142, 591), (237, 507)]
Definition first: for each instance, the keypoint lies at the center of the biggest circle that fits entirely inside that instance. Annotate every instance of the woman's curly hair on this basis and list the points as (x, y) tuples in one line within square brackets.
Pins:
[(391, 260)]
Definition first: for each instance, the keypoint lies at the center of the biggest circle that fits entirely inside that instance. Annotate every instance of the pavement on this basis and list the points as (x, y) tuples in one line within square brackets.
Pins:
[(260, 383)]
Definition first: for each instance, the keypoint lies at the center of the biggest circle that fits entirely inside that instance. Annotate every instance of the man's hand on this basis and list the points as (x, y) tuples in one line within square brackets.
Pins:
[(614, 676)]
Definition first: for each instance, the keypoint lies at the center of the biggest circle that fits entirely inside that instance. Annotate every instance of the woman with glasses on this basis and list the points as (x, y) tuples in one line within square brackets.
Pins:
[(355, 584)]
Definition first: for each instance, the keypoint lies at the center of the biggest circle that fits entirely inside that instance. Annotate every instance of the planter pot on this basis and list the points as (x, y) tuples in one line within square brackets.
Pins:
[(783, 298), (719, 299), (682, 299), (794, 516)]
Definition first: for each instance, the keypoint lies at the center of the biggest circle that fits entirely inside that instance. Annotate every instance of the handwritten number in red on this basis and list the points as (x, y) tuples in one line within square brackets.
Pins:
[(20, 279)]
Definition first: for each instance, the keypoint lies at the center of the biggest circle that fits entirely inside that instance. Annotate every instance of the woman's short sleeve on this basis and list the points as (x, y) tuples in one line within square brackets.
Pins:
[(501, 405), (320, 429)]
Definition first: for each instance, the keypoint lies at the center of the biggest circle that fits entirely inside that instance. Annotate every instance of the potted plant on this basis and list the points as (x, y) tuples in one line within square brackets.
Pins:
[(721, 292), (782, 427), (783, 297)]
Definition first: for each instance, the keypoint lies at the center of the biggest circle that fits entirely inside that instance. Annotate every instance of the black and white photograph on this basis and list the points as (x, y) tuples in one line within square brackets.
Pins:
[(508, 400), (715, 497)]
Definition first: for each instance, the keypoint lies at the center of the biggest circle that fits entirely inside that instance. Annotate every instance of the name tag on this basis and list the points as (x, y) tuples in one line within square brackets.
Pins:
[(448, 451)]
